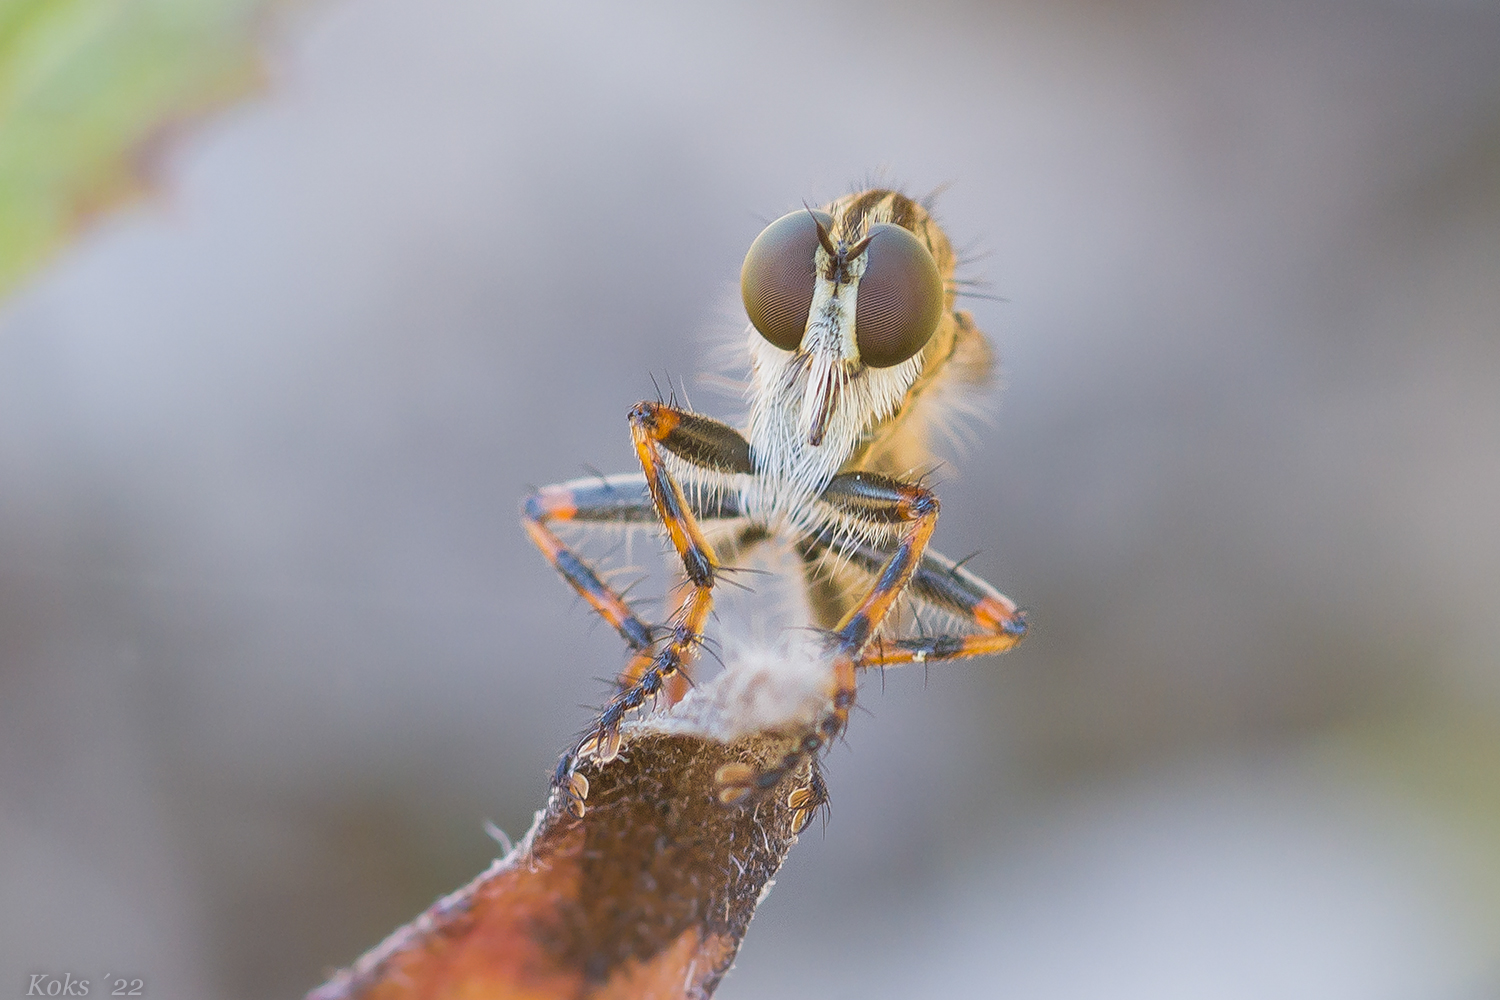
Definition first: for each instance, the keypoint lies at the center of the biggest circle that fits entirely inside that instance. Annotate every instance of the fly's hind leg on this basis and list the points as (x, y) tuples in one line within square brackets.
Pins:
[(998, 625), (881, 503)]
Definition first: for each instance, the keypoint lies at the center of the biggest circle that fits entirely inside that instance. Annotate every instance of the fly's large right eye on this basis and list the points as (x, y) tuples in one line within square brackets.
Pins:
[(900, 298), (779, 275)]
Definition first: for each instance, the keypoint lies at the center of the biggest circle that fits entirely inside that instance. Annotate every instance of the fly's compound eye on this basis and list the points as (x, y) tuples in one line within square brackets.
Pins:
[(900, 297), (778, 277)]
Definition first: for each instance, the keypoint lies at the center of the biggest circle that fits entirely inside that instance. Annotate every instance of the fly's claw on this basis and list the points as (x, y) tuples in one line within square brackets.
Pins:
[(739, 782), (578, 794), (607, 745), (604, 744), (736, 782), (804, 802), (571, 786)]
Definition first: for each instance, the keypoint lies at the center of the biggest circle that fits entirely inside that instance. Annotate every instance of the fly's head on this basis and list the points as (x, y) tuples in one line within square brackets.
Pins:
[(843, 301)]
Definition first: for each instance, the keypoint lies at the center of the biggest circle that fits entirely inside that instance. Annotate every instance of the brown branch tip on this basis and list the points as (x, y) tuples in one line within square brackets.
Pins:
[(648, 893)]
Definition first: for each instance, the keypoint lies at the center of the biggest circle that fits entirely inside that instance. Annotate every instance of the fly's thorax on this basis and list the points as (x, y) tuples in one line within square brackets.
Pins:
[(854, 214)]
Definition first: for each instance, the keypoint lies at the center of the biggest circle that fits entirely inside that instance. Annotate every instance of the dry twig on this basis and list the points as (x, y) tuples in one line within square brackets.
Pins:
[(647, 894)]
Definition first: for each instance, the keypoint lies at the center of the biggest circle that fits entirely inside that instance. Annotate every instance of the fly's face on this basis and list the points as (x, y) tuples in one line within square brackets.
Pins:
[(843, 303)]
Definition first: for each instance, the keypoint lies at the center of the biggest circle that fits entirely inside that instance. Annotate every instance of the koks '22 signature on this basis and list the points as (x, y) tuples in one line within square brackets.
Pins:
[(44, 984)]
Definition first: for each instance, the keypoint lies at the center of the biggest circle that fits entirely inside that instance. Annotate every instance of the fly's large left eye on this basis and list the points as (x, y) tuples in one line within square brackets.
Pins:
[(778, 278), (900, 297)]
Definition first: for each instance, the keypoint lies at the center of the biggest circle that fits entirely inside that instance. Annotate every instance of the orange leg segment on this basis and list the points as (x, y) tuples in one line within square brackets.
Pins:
[(620, 499), (652, 424), (943, 584)]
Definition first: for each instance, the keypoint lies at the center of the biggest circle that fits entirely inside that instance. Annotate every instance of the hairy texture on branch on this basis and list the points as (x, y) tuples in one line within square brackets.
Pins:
[(647, 894)]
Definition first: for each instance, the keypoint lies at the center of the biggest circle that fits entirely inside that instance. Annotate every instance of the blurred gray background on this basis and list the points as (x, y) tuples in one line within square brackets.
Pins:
[(272, 646)]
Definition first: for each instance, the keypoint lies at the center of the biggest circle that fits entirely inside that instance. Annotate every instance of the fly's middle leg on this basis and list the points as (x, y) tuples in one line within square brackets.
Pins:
[(604, 499)]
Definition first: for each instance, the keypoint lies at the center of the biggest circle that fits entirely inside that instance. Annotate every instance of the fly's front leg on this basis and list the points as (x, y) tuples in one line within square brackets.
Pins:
[(880, 502), (716, 448)]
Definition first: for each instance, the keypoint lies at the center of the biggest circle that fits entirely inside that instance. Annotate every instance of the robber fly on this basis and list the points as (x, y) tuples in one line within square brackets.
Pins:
[(854, 344)]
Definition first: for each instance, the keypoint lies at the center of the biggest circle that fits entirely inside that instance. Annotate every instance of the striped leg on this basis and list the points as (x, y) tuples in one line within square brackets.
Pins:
[(606, 500), (943, 584), (881, 502), (612, 499), (710, 445)]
